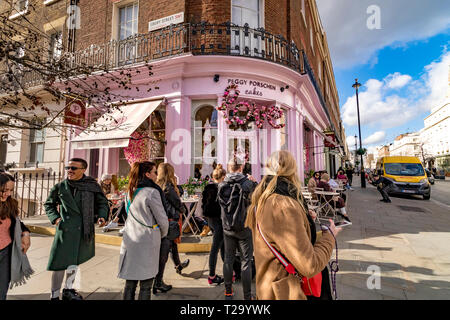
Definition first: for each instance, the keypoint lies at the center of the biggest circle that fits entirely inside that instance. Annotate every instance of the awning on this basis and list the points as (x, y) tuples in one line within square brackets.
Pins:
[(106, 133)]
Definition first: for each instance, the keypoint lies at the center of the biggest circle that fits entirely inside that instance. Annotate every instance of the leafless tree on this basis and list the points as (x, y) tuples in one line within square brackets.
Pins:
[(36, 74)]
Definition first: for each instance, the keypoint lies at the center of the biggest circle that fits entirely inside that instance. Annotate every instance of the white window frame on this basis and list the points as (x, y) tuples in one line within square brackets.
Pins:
[(303, 10), (240, 40), (18, 13), (49, 2), (41, 141), (53, 48), (320, 69), (311, 36), (261, 4), (115, 34)]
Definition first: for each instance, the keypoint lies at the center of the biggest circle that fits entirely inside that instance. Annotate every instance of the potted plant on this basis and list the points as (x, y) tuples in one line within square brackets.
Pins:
[(194, 185)]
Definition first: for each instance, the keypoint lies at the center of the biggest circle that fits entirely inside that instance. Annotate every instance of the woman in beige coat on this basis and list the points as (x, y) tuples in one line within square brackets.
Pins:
[(277, 208)]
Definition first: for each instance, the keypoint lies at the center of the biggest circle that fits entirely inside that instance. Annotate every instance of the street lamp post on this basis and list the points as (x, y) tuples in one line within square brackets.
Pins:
[(356, 149), (356, 85)]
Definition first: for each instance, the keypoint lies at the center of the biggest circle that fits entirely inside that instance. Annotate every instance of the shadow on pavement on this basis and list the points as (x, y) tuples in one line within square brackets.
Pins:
[(353, 284)]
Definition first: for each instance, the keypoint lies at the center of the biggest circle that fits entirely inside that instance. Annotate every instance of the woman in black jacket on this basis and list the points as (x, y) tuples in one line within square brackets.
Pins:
[(8, 218), (167, 181), (211, 210)]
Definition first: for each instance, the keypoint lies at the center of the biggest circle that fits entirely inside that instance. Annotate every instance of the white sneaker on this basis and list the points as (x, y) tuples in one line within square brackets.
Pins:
[(121, 231)]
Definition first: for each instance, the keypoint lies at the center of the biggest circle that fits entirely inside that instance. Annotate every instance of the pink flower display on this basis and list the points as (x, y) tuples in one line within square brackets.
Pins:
[(138, 148), (254, 113)]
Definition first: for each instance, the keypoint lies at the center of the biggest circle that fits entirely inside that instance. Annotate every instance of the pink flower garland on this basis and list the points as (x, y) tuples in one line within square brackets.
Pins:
[(258, 114)]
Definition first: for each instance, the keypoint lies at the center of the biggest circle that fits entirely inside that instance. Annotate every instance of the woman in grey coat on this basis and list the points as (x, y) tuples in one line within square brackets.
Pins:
[(147, 223)]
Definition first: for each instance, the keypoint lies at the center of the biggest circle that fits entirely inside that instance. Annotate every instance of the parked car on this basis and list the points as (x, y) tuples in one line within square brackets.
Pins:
[(440, 174), (430, 176)]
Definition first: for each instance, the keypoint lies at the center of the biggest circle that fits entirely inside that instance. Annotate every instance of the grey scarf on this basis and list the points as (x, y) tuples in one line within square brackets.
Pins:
[(20, 266), (88, 186)]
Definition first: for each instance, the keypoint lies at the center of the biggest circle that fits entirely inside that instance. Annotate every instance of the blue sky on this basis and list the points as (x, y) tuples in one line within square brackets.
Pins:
[(403, 65)]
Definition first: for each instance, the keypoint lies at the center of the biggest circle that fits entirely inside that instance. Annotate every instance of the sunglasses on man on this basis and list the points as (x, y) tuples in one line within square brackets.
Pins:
[(72, 168)]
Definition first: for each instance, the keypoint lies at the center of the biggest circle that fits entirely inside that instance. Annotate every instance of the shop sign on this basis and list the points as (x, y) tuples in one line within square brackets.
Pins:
[(166, 21), (332, 137), (253, 87), (75, 112)]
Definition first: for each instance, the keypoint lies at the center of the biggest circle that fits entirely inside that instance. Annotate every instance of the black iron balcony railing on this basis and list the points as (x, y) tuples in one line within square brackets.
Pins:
[(198, 39)]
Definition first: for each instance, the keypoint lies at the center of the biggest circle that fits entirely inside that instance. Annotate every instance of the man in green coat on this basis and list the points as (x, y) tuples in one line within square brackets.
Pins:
[(81, 202)]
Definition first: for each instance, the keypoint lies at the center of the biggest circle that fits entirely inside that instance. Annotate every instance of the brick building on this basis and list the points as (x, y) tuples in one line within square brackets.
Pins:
[(274, 51)]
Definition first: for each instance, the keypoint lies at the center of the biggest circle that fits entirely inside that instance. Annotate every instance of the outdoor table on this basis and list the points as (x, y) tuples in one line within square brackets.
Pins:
[(190, 214), (326, 205)]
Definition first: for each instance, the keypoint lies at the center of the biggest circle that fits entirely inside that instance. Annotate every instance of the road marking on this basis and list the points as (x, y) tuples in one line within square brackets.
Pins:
[(440, 203)]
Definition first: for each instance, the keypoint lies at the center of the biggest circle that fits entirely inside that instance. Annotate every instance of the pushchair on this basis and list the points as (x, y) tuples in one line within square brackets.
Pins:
[(117, 216)]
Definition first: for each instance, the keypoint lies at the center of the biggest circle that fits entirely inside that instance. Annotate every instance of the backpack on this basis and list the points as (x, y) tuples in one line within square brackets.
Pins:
[(233, 206)]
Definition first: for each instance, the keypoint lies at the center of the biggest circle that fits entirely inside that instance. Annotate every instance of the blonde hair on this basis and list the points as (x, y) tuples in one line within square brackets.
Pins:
[(166, 175), (325, 177), (235, 164), (219, 172), (280, 164)]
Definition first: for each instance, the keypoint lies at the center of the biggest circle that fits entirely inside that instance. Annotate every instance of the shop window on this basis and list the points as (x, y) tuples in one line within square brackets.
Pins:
[(158, 134), (124, 166), (205, 140), (284, 132), (37, 138)]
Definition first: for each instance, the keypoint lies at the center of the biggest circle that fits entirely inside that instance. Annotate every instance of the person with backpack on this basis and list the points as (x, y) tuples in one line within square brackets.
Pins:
[(146, 225), (234, 198), (284, 236), (211, 210)]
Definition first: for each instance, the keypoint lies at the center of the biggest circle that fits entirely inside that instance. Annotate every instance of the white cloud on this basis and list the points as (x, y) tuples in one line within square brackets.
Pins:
[(375, 107), (436, 80), (397, 80), (351, 142), (352, 43), (380, 107), (375, 138)]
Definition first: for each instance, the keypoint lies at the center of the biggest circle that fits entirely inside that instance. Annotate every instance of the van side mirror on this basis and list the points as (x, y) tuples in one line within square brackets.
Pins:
[(380, 172)]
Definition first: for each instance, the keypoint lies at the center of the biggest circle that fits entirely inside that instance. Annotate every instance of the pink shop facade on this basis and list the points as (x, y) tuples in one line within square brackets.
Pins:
[(185, 127)]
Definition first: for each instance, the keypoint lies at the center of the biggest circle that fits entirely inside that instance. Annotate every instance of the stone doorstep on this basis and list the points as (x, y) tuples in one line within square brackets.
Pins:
[(117, 240)]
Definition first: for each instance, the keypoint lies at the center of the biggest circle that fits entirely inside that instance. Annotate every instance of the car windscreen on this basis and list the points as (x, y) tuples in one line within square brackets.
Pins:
[(404, 169)]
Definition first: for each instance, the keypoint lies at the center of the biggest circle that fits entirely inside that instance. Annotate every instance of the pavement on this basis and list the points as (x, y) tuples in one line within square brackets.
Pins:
[(396, 251)]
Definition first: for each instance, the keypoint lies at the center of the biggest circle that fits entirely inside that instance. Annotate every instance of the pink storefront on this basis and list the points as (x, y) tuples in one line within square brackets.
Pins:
[(187, 129)]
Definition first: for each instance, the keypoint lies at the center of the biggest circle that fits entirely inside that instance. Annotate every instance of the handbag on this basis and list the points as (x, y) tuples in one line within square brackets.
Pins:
[(310, 286), (174, 230)]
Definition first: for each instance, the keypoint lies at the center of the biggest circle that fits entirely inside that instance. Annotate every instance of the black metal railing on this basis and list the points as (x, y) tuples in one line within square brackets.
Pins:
[(198, 39), (32, 190)]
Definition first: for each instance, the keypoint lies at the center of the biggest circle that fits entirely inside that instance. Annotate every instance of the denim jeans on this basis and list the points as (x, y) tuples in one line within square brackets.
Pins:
[(243, 242), (217, 243)]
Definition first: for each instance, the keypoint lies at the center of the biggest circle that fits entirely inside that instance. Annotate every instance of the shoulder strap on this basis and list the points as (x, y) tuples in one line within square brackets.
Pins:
[(156, 226), (286, 264)]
